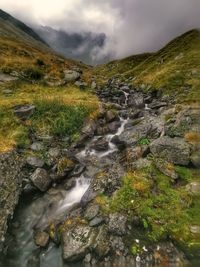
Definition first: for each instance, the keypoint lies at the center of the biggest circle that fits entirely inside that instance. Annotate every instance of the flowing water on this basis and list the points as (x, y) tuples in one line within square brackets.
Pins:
[(38, 211)]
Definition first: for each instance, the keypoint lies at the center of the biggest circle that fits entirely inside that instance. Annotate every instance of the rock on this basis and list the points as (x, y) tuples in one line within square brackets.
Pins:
[(194, 187), (102, 246), (96, 221), (89, 129), (166, 168), (41, 239), (81, 85), (195, 229), (174, 150), (35, 161), (157, 105), (54, 152), (136, 100), (41, 179), (93, 85), (88, 258), (7, 91), (71, 75), (100, 145), (24, 111), (195, 159), (113, 126), (110, 116), (68, 185), (4, 78), (36, 146), (76, 242), (91, 212), (117, 224), (140, 164), (65, 166), (120, 144)]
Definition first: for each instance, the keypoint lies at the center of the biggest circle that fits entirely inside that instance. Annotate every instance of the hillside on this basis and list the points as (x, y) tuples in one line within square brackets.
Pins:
[(29, 69), (175, 68)]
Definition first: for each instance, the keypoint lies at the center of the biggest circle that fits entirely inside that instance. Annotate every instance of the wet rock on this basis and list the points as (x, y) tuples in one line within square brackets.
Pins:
[(96, 221), (120, 144), (195, 159), (40, 179), (35, 161), (174, 150), (117, 224), (89, 195), (111, 115), (100, 145), (68, 185), (65, 166), (91, 212), (76, 242), (36, 146), (113, 126), (71, 75), (23, 112), (41, 239)]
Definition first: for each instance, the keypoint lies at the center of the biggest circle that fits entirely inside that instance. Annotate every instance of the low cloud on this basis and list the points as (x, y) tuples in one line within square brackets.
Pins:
[(131, 26)]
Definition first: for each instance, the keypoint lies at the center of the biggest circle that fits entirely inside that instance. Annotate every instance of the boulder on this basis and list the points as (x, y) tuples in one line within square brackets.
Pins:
[(77, 241), (174, 150), (195, 159), (41, 179), (36, 146), (91, 212), (100, 145), (102, 247), (110, 115), (194, 187), (96, 221), (41, 239), (71, 75), (24, 111), (35, 161), (117, 224), (166, 168)]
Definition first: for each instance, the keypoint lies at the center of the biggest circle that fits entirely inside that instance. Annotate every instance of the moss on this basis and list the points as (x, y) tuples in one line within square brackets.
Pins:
[(64, 164), (144, 141)]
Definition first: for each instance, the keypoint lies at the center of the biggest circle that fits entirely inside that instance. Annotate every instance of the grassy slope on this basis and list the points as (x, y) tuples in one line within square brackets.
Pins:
[(174, 67), (55, 105)]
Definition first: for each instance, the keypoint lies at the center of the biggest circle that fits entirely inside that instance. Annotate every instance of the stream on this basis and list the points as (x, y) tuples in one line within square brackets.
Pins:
[(36, 211)]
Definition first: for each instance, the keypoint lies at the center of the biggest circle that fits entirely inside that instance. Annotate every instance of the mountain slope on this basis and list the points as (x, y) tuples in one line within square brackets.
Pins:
[(176, 67)]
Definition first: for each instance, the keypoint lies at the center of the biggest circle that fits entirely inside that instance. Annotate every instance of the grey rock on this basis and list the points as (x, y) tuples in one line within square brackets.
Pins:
[(91, 212), (40, 179), (96, 221), (36, 146), (110, 116), (117, 224), (166, 168), (174, 150), (195, 159), (81, 85), (195, 229), (93, 85), (77, 242), (71, 75), (41, 239), (194, 187), (100, 145), (4, 78), (25, 111), (35, 161), (140, 164), (102, 246)]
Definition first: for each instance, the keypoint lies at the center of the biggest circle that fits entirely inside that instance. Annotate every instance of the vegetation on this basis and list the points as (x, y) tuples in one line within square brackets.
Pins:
[(175, 68), (163, 209), (61, 114)]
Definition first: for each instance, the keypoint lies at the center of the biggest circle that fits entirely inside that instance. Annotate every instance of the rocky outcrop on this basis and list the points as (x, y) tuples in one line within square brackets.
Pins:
[(10, 188), (174, 150)]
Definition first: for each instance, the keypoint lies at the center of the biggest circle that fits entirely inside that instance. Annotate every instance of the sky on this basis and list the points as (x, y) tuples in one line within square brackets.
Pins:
[(131, 26)]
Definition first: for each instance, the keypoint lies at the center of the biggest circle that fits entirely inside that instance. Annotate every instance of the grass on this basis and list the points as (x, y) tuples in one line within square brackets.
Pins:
[(164, 210), (175, 68), (60, 111)]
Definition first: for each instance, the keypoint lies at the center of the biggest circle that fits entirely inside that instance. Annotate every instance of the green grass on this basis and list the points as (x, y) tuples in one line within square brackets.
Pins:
[(164, 210), (175, 68)]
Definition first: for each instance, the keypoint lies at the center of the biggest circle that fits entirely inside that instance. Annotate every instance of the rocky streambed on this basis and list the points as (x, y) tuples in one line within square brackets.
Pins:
[(61, 218)]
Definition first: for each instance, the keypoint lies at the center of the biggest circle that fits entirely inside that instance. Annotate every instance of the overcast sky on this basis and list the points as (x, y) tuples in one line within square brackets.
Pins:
[(132, 26)]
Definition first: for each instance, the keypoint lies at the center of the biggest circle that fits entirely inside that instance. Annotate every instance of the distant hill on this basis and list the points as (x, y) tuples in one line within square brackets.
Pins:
[(79, 46), (175, 68)]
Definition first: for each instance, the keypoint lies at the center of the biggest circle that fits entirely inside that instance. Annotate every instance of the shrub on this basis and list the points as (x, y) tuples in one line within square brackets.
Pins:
[(33, 73)]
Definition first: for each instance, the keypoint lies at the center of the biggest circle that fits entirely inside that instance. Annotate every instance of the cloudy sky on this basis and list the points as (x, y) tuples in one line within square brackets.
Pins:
[(131, 26)]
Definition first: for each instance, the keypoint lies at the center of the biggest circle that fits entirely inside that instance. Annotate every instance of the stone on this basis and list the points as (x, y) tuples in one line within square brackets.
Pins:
[(96, 222), (120, 144), (102, 246), (194, 187), (91, 212), (36, 146), (113, 126), (174, 150), (41, 179), (117, 224), (71, 75), (93, 85), (140, 164), (110, 115), (81, 85), (100, 145), (41, 239), (89, 129), (76, 242), (195, 229), (24, 111), (35, 161), (166, 168), (6, 78), (195, 159)]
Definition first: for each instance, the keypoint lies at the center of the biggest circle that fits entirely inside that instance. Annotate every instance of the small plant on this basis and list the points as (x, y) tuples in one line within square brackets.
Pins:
[(144, 141), (40, 62), (33, 73)]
